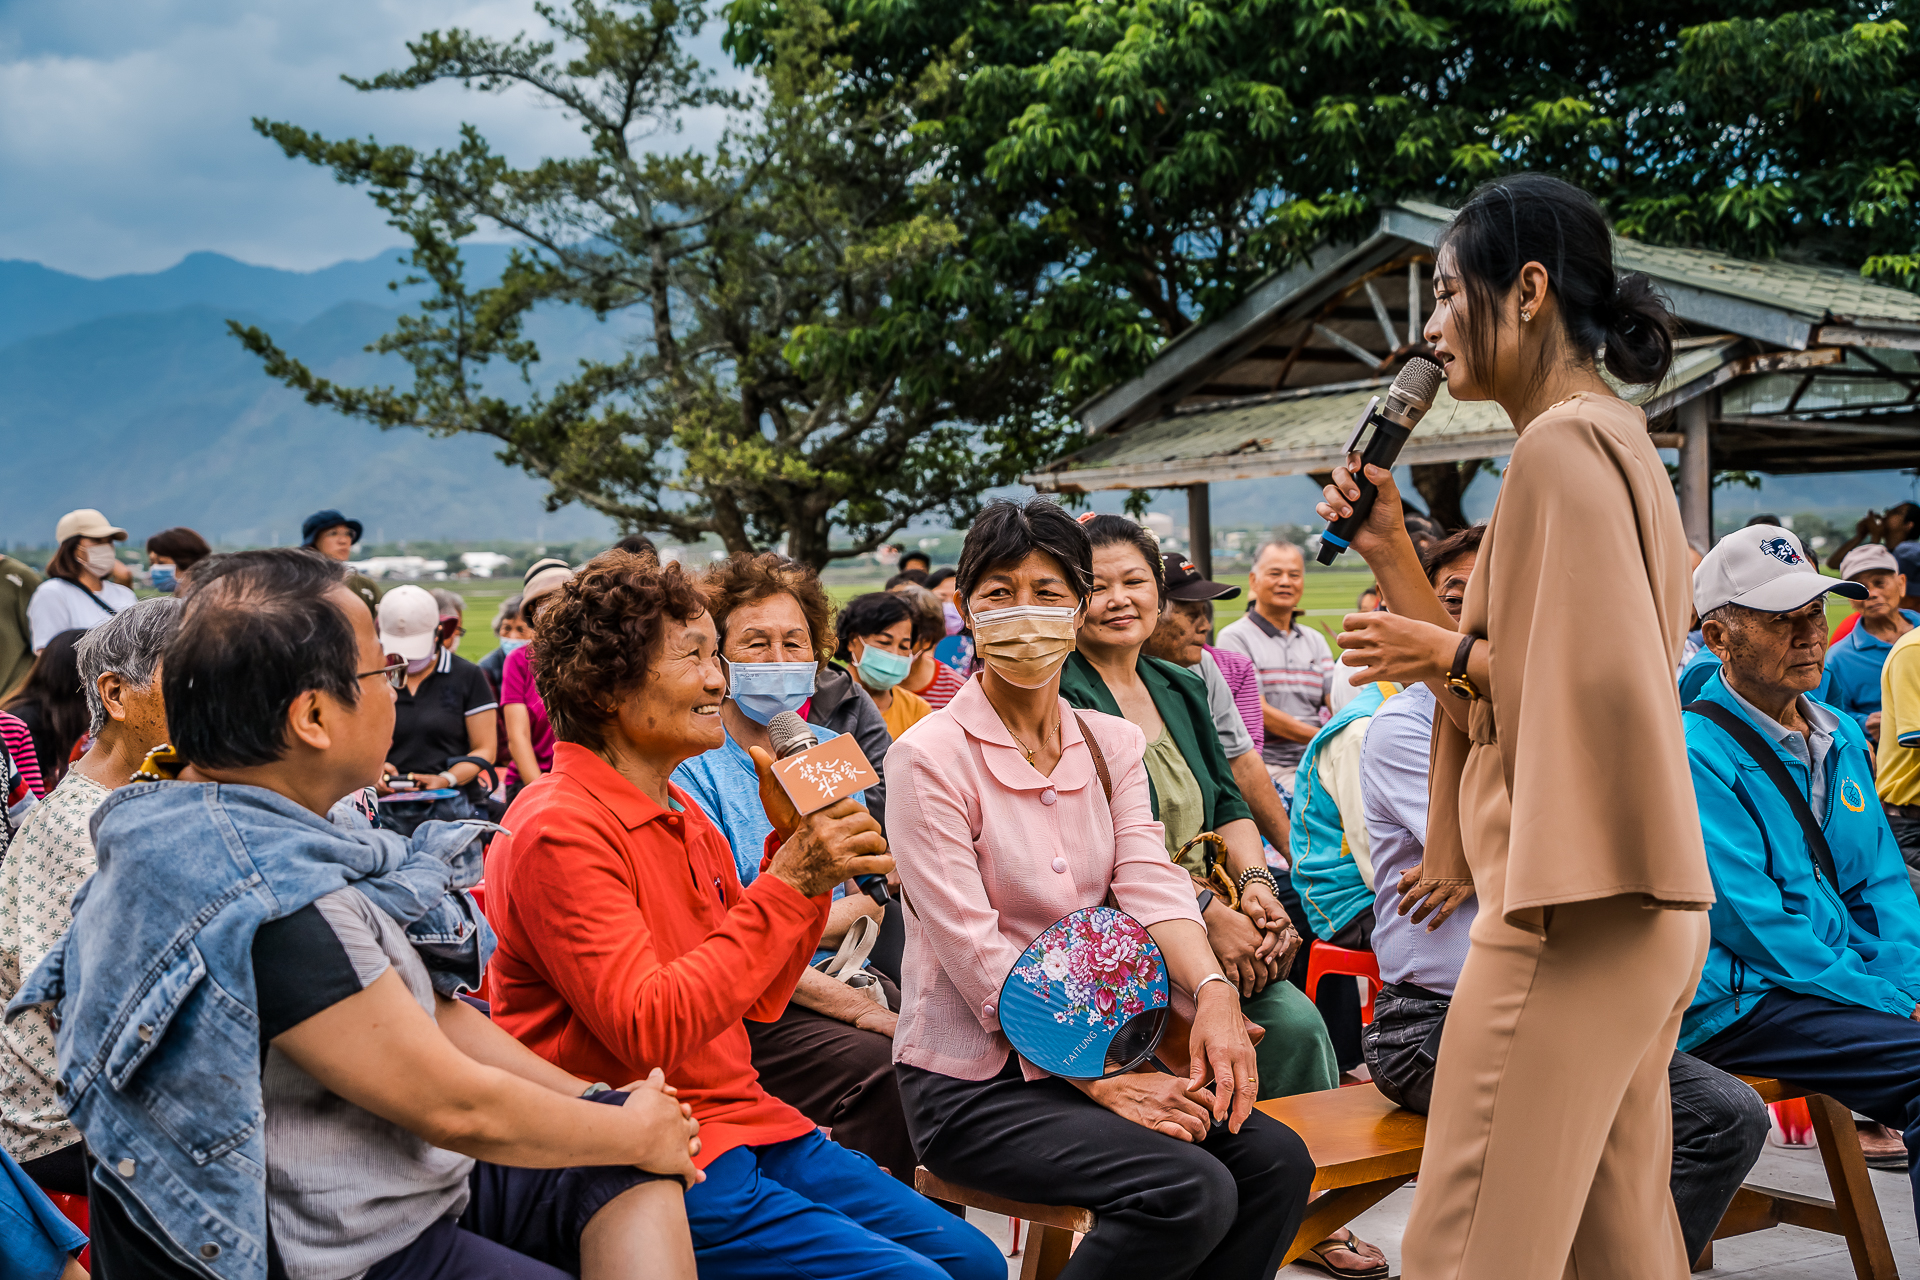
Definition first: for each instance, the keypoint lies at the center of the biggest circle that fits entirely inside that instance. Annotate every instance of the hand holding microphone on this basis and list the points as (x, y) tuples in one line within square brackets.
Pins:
[(1349, 500), (806, 788)]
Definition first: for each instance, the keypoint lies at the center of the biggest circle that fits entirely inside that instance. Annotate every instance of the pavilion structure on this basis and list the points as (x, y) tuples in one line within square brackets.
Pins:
[(1781, 368)]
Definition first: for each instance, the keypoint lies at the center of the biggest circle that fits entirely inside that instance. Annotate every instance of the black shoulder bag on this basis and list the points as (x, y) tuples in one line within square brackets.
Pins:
[(1768, 759)]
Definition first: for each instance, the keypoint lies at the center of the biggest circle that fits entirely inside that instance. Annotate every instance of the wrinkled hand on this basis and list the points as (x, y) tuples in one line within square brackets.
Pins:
[(1873, 727), (820, 850), (1387, 646), (1154, 1101), (1436, 898), (1222, 1052), (1281, 941), (1236, 943), (673, 1133), (1386, 522), (881, 1022)]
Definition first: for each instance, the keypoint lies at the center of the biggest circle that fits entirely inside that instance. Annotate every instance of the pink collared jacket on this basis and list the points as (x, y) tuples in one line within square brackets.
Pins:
[(991, 852)]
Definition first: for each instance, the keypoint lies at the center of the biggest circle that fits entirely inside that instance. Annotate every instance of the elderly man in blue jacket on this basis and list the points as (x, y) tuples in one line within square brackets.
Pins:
[(1813, 975)]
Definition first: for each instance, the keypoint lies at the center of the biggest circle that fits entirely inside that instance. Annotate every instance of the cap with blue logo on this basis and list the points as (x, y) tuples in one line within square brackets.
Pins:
[(1763, 567)]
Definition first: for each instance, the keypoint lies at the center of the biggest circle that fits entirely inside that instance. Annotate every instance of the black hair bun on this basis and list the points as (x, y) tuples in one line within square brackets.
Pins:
[(1639, 332)]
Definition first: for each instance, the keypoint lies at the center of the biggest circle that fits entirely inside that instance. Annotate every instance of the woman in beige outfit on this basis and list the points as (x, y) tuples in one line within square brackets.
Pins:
[(1560, 785)]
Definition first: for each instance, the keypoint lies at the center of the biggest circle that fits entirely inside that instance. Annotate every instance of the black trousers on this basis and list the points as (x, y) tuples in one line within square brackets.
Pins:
[(1719, 1124), (1223, 1209), (64, 1170)]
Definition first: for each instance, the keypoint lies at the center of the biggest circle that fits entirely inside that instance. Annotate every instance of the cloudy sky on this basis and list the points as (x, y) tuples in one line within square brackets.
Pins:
[(125, 140)]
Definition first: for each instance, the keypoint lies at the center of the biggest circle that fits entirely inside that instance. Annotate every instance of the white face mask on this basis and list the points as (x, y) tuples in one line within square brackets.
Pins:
[(99, 560)]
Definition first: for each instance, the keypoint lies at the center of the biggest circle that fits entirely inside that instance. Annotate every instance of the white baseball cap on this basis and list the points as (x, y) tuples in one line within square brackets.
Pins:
[(1866, 559), (86, 523), (409, 618), (1762, 567)]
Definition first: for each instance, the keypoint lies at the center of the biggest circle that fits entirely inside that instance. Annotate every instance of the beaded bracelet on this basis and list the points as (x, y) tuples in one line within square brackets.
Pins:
[(1258, 873)]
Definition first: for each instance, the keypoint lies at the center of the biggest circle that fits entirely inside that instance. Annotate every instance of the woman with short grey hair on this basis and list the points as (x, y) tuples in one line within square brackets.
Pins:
[(51, 855)]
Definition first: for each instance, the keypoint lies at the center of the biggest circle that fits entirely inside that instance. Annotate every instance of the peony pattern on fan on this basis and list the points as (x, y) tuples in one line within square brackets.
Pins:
[(1095, 967)]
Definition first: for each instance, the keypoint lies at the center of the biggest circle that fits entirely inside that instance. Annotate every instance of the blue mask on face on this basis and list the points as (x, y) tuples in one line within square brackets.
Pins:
[(508, 646), (882, 668), (762, 690), (161, 575)]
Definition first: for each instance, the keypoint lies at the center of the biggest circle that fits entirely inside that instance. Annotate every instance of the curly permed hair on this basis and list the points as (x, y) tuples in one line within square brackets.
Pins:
[(743, 579), (596, 637)]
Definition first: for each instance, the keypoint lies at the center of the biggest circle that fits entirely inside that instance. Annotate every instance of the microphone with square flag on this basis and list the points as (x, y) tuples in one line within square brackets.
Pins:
[(815, 774)]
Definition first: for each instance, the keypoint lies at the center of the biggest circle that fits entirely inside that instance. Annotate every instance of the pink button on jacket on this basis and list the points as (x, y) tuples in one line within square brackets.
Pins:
[(991, 852)]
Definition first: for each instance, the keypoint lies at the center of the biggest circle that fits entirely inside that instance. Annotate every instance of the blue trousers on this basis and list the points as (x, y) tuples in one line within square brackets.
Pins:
[(1865, 1060), (810, 1209)]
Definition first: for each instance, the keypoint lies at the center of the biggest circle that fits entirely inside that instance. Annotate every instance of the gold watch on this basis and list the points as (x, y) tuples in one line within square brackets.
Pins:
[(1458, 683)]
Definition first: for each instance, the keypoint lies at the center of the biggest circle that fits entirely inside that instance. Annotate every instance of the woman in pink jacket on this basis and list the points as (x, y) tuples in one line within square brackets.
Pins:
[(1000, 826)]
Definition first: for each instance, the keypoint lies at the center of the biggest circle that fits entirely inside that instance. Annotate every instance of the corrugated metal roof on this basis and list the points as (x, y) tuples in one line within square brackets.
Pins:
[(1293, 433), (1815, 292), (1808, 292), (1775, 302)]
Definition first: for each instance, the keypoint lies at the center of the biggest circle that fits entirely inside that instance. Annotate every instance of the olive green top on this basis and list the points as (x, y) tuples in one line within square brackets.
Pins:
[(1183, 809)]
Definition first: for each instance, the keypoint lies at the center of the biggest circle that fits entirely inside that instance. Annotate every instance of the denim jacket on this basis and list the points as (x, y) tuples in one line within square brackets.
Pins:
[(155, 1013)]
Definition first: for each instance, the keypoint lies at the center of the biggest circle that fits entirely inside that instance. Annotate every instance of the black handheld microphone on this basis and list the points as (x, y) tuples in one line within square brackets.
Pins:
[(1407, 401), (790, 736)]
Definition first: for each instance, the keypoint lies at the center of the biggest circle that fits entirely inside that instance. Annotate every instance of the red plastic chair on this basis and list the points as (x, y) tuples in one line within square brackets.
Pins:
[(75, 1209), (1326, 959), (1796, 1122)]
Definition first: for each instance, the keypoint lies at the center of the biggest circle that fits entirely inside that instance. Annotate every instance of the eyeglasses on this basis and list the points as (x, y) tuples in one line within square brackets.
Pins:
[(395, 671)]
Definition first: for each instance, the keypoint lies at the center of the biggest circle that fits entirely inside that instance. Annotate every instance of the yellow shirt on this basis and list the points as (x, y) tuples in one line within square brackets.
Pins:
[(905, 711), (1898, 780)]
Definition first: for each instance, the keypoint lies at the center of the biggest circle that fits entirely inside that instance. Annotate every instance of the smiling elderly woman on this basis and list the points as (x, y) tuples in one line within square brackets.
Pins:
[(628, 943)]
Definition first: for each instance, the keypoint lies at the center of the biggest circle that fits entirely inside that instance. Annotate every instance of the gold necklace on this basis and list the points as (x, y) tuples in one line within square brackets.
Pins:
[(1044, 735)]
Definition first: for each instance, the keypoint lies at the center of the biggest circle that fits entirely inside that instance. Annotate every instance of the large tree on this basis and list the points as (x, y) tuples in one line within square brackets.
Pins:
[(780, 388), (1147, 160)]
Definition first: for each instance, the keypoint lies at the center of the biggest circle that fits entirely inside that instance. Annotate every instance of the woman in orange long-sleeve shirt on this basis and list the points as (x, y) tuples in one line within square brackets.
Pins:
[(627, 943)]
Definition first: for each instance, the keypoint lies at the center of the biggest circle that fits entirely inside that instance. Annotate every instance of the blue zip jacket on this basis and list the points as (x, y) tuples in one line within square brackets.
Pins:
[(1775, 921), (1324, 873), (155, 1016), (1853, 670)]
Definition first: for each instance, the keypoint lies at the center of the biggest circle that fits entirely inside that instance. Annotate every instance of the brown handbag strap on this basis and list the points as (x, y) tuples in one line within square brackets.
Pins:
[(1099, 758)]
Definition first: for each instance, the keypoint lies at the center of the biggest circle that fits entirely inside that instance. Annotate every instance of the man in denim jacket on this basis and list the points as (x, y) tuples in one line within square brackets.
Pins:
[(1813, 974), (253, 1010)]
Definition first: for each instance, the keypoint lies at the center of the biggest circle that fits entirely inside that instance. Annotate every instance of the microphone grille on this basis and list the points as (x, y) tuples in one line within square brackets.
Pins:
[(789, 733), (1417, 382)]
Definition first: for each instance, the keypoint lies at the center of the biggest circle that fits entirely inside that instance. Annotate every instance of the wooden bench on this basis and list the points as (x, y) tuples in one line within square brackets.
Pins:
[(1365, 1148)]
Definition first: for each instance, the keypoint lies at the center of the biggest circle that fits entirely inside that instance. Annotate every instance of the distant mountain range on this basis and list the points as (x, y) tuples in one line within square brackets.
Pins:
[(129, 395)]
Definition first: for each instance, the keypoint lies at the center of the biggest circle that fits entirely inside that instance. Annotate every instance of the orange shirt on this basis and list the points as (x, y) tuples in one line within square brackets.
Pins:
[(627, 943)]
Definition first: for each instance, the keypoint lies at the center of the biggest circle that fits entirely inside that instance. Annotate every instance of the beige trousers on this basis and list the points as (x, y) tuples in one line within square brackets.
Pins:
[(1550, 1141)]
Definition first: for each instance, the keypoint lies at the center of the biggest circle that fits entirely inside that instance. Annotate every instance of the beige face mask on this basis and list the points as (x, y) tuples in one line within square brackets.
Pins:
[(1025, 644)]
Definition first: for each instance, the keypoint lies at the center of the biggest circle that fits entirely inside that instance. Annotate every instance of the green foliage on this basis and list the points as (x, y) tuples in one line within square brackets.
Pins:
[(1147, 160), (782, 388)]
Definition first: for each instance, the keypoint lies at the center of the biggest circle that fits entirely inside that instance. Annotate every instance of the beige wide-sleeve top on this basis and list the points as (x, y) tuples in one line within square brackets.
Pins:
[(991, 851), (1583, 593)]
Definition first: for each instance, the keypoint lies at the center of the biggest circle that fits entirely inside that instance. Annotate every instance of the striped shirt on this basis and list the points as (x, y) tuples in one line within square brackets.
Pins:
[(17, 740), (1237, 670), (1293, 666)]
